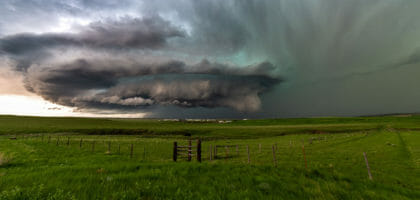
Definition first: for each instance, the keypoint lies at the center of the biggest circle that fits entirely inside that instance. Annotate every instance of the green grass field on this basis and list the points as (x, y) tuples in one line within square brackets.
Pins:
[(40, 164)]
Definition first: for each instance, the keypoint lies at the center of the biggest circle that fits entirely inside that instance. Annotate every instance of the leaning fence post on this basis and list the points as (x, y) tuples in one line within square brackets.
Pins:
[(367, 165), (215, 152), (144, 152), (247, 150), (237, 150), (274, 156), (227, 152), (304, 156), (131, 151), (175, 151), (189, 149), (199, 150), (211, 151)]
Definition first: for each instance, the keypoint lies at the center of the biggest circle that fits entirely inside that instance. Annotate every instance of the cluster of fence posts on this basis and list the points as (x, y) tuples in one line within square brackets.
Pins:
[(178, 149)]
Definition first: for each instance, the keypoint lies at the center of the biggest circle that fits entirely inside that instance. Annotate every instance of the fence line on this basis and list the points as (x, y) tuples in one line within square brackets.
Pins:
[(258, 156)]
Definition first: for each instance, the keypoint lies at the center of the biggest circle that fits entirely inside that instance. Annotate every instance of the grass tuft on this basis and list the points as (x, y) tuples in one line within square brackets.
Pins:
[(5, 159)]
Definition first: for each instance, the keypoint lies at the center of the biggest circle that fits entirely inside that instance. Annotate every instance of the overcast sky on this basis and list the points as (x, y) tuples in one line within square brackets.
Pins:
[(209, 59)]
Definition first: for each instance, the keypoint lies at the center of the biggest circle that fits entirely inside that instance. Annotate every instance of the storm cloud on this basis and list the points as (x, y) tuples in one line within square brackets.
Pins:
[(125, 33), (262, 58), (151, 32), (123, 84)]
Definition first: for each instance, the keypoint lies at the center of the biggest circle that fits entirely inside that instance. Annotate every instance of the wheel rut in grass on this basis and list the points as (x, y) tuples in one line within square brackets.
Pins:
[(405, 151)]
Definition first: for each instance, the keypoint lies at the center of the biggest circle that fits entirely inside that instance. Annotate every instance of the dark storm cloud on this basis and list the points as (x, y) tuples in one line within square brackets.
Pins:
[(118, 79), (41, 15), (331, 52), (337, 56), (122, 84), (149, 32), (146, 33)]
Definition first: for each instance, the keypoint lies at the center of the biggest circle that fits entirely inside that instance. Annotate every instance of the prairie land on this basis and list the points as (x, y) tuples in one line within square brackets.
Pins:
[(315, 158)]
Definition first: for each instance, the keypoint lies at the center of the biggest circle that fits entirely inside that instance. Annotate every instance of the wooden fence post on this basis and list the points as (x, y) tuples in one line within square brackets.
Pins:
[(175, 151), (237, 150), (274, 156), (199, 150), (247, 149), (259, 146), (68, 141), (367, 165), (144, 152), (131, 151), (211, 151), (215, 152), (227, 152), (304, 156), (189, 150), (81, 141), (58, 140)]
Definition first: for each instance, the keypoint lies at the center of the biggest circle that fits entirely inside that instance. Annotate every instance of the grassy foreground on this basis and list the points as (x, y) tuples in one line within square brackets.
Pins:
[(79, 158)]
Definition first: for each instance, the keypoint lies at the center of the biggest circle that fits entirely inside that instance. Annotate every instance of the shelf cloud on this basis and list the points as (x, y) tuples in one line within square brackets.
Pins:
[(122, 84)]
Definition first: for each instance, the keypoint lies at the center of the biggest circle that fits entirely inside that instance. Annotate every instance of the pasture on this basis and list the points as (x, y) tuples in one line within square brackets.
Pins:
[(316, 158)]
